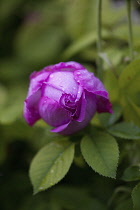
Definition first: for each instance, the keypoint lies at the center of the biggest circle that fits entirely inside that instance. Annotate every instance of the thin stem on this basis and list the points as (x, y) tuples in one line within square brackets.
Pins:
[(99, 37), (130, 29)]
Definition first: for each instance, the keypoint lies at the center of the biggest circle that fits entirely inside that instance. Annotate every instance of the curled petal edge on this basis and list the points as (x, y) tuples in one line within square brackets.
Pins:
[(60, 128), (31, 113), (92, 84)]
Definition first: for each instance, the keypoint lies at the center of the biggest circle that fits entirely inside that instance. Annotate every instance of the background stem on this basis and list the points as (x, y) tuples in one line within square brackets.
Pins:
[(99, 37), (130, 29)]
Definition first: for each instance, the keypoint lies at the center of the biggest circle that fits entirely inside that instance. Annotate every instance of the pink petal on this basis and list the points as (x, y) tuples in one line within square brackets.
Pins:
[(31, 113), (60, 128), (75, 126), (68, 66), (64, 81), (36, 81), (52, 113), (52, 92), (103, 105), (82, 103), (92, 84)]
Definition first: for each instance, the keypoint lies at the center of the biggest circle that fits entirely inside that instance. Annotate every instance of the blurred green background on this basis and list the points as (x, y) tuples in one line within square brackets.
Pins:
[(34, 34)]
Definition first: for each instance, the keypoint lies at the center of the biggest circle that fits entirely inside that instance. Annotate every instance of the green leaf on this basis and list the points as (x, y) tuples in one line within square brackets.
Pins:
[(116, 14), (11, 113), (79, 17), (100, 151), (105, 58), (130, 75), (107, 119), (121, 32), (81, 43), (112, 57), (111, 84), (51, 164), (131, 112), (125, 130), (41, 40), (130, 92), (136, 197), (13, 108), (131, 173), (37, 43)]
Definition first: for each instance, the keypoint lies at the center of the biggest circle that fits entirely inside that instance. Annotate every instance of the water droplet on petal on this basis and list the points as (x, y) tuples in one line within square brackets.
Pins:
[(51, 76), (78, 73)]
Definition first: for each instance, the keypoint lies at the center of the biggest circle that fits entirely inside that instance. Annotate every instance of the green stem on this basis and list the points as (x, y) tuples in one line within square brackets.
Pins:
[(99, 37), (130, 29)]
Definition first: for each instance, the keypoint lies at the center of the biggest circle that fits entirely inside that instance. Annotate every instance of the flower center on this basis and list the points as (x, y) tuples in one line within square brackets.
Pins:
[(68, 102)]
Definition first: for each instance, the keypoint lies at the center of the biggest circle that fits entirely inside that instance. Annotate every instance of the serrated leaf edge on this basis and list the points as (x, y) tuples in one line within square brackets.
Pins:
[(135, 188), (39, 188), (113, 177)]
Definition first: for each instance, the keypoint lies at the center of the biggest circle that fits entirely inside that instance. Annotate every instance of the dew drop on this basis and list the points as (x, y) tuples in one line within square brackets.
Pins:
[(78, 73), (51, 76)]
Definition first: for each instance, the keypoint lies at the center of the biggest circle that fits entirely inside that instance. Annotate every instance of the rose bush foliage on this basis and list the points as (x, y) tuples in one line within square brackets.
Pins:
[(66, 96)]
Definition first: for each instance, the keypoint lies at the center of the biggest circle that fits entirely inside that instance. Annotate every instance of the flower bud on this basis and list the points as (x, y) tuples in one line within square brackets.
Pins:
[(66, 96)]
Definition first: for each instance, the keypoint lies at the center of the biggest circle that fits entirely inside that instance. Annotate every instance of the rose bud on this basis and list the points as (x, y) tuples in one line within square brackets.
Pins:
[(65, 96)]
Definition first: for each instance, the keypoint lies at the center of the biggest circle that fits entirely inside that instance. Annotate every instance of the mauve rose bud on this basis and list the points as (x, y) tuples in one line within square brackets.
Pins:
[(65, 96)]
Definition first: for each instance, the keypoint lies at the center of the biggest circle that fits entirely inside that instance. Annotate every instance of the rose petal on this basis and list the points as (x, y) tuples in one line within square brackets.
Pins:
[(69, 66), (88, 81), (31, 113), (92, 84), (103, 105), (52, 92), (64, 81), (36, 81), (82, 103), (60, 128), (52, 113), (75, 126)]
